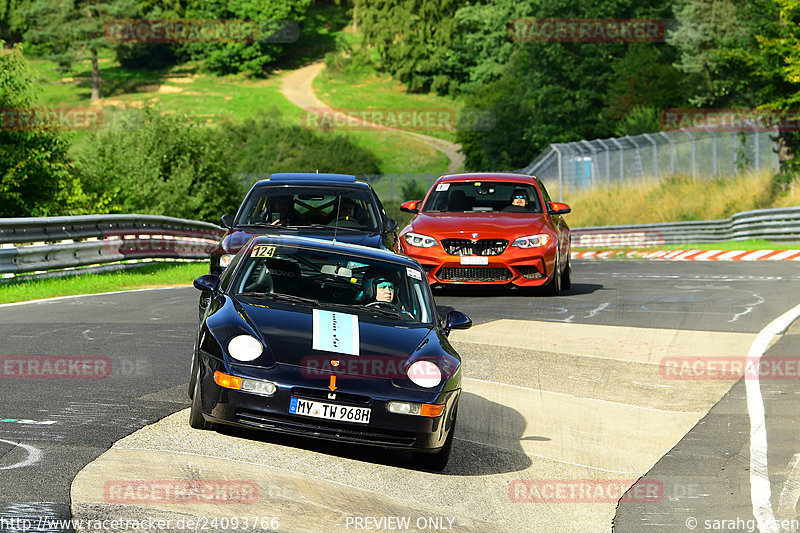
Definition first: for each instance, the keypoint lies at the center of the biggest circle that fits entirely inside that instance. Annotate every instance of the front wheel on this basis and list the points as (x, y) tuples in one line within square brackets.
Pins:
[(554, 287), (566, 276), (196, 420)]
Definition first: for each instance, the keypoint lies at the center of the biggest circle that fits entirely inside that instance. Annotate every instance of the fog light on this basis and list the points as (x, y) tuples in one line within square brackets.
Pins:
[(419, 409), (403, 408), (264, 388)]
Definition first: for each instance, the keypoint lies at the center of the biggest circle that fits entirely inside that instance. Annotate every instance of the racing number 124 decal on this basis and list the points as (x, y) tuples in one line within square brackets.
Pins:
[(262, 251)]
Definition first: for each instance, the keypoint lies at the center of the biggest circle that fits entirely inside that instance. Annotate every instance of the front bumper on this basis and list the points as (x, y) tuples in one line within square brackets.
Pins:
[(531, 267), (389, 430)]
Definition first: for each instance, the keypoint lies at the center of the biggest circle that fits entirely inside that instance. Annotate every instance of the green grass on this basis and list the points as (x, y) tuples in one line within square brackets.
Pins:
[(157, 275), (365, 89)]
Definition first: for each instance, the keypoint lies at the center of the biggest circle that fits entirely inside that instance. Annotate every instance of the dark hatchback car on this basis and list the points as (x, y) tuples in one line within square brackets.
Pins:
[(322, 206), (327, 340)]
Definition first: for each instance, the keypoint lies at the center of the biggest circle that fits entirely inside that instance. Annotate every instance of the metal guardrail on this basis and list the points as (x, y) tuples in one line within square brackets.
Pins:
[(48, 244), (781, 224)]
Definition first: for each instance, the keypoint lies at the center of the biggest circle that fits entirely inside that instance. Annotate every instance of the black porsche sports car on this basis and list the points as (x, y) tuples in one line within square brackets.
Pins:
[(328, 340)]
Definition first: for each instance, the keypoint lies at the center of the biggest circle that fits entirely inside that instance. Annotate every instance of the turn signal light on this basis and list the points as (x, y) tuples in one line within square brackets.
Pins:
[(229, 382), (431, 410)]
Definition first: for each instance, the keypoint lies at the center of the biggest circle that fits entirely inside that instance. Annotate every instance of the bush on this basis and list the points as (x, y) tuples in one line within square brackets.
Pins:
[(36, 172), (162, 165), (265, 144)]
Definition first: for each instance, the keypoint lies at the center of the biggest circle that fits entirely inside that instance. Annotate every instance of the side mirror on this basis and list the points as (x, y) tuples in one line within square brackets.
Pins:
[(412, 206), (557, 208), (456, 320), (227, 221), (390, 225), (207, 282)]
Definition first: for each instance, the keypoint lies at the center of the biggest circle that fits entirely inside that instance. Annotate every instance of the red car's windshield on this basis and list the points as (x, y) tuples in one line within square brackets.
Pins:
[(483, 196)]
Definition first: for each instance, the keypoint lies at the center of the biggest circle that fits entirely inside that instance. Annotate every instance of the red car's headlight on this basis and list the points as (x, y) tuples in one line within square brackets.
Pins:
[(420, 241), (532, 241)]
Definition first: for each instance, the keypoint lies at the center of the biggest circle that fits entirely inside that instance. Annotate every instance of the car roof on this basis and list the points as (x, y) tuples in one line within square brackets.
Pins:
[(309, 178), (513, 177), (355, 250)]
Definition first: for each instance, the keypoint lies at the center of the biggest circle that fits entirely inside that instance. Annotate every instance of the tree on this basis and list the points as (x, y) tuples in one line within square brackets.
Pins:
[(242, 56), (70, 28), (160, 164), (36, 173), (412, 37)]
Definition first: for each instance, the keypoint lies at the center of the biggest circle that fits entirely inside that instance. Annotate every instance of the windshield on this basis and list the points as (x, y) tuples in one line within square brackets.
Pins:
[(483, 196), (318, 206), (326, 279)]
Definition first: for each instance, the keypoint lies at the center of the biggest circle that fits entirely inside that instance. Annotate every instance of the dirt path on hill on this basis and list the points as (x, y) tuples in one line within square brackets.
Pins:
[(297, 87)]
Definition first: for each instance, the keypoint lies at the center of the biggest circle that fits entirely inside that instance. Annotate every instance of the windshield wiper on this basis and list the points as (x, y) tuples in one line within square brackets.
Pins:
[(281, 296), (265, 225), (339, 228)]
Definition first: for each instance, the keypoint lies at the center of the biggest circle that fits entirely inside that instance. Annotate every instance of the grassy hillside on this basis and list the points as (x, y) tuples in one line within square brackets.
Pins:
[(675, 199)]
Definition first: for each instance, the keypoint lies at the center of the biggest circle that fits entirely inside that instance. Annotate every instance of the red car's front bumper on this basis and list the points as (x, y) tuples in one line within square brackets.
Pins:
[(530, 267)]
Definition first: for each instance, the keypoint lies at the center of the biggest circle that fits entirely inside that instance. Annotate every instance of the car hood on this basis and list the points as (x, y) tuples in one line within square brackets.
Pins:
[(233, 241), (486, 225), (288, 332)]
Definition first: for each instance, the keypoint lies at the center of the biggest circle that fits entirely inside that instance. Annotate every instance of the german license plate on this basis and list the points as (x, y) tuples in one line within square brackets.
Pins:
[(329, 411), (474, 260)]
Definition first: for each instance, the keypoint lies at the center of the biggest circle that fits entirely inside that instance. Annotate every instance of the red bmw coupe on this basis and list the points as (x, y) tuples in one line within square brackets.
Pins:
[(490, 228)]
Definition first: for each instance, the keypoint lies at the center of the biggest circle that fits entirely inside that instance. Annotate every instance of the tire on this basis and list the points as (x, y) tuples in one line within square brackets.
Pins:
[(554, 287), (438, 461), (196, 420), (566, 276), (192, 377)]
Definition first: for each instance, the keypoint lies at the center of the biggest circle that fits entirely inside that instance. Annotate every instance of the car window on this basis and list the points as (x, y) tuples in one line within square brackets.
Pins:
[(334, 279), (310, 206), (483, 196)]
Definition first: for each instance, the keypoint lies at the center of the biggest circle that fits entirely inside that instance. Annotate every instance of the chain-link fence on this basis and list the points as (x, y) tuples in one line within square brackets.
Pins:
[(648, 157)]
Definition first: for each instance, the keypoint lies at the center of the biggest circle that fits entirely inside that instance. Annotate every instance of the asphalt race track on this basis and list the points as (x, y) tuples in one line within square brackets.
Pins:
[(568, 403)]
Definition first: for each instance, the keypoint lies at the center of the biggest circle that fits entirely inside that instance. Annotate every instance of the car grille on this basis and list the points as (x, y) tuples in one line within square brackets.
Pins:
[(474, 274), (323, 429), (479, 247), (529, 272)]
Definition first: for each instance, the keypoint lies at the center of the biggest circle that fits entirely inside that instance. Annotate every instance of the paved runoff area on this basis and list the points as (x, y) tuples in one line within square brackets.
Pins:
[(554, 428)]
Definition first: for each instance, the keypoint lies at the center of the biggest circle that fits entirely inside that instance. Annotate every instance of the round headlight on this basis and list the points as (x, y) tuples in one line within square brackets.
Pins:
[(245, 348), (425, 374)]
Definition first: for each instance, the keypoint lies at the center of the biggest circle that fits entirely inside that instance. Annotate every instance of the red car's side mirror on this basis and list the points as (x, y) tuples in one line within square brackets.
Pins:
[(412, 206), (557, 208)]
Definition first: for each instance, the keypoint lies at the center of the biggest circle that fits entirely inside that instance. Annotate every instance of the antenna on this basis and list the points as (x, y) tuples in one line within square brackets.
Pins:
[(336, 220)]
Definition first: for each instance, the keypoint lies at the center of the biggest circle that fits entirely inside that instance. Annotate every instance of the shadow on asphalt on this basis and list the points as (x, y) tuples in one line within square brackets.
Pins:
[(512, 292)]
